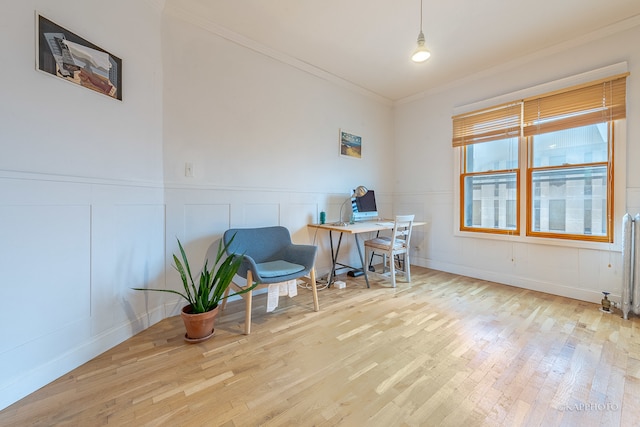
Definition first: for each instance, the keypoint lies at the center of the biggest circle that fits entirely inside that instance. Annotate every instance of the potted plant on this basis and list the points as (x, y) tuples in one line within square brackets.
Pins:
[(203, 299)]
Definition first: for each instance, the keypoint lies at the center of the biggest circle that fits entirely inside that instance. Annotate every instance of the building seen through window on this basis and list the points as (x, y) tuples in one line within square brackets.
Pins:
[(570, 182)]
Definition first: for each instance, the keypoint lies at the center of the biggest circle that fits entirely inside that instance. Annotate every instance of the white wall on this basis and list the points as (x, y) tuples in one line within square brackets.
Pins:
[(81, 193), (93, 192), (262, 136), (423, 130)]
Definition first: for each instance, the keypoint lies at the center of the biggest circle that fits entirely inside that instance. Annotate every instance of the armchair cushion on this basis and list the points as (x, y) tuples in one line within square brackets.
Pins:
[(278, 268)]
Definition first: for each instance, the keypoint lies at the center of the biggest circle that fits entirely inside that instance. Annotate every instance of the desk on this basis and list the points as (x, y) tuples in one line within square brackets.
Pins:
[(355, 229)]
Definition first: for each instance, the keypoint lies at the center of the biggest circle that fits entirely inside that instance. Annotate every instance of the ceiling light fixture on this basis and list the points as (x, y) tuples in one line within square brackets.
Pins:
[(421, 53)]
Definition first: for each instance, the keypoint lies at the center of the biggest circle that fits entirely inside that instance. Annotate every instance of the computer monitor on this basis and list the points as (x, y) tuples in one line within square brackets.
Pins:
[(364, 208)]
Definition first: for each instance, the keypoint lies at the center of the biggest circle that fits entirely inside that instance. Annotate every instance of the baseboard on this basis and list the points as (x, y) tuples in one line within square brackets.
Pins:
[(520, 282), (27, 382)]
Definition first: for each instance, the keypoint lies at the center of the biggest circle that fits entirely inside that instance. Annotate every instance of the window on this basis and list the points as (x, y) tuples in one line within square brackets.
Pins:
[(490, 195), (570, 176), (490, 168), (561, 145)]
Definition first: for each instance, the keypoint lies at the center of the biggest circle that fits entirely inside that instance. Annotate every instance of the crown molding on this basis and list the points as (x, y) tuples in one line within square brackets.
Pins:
[(177, 11), (157, 4)]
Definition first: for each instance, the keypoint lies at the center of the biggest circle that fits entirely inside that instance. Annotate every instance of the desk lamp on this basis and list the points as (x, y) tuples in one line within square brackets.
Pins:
[(360, 191)]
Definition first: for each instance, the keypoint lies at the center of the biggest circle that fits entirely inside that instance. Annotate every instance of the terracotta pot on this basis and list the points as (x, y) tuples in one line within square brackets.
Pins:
[(199, 326)]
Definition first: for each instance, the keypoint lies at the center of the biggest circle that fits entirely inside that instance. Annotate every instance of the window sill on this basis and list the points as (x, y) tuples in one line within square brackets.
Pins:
[(603, 246)]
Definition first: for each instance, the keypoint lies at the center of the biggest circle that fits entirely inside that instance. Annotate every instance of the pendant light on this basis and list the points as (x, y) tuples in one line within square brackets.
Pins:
[(421, 53)]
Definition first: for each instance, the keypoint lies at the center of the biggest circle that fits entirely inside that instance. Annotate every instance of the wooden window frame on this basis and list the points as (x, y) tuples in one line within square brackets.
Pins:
[(609, 164), (464, 175), (600, 101)]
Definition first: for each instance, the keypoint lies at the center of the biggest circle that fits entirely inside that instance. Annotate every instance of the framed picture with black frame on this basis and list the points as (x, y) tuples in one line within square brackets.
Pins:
[(64, 54)]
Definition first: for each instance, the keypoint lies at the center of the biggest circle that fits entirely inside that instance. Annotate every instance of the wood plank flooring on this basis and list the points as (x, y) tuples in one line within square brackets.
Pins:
[(444, 350)]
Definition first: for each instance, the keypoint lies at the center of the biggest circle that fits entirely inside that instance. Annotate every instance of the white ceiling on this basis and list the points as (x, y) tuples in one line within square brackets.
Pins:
[(368, 42)]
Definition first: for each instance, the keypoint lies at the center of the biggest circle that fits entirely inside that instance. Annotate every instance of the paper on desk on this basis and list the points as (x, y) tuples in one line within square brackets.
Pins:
[(276, 290)]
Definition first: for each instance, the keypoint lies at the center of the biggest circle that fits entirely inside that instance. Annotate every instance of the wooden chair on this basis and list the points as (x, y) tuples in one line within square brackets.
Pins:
[(269, 257), (393, 247)]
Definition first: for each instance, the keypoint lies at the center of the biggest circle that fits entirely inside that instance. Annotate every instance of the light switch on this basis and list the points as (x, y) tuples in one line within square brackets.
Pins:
[(188, 170)]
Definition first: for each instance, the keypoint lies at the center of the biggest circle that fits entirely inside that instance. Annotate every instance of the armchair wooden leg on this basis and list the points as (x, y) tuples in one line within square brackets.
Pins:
[(248, 303), (247, 315), (314, 289), (224, 301)]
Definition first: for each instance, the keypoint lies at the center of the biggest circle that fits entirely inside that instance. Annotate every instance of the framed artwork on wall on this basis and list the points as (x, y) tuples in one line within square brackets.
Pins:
[(63, 54), (350, 144)]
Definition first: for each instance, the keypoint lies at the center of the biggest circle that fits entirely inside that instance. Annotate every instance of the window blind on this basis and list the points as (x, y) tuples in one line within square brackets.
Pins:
[(485, 125), (587, 104)]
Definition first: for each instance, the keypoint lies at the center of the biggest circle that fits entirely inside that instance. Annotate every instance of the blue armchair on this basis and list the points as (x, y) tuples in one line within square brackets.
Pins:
[(269, 257)]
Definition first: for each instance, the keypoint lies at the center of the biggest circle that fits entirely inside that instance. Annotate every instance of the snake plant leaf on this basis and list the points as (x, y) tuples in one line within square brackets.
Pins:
[(213, 281)]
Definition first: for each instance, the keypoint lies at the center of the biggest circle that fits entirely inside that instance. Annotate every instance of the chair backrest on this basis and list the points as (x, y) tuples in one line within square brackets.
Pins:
[(262, 244), (402, 230)]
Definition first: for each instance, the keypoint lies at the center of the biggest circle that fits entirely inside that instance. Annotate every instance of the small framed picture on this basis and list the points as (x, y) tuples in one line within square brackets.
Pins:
[(350, 144), (63, 54)]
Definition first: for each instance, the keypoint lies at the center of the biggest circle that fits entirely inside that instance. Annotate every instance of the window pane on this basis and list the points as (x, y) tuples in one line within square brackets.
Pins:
[(570, 201), (490, 201), (587, 144), (492, 156)]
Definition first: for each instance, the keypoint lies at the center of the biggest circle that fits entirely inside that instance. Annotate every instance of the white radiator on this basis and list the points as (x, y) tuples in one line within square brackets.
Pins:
[(630, 264)]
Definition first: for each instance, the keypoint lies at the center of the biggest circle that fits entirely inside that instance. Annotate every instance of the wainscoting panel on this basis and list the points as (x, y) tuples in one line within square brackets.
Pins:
[(44, 270), (71, 250), (132, 256), (260, 214), (204, 225)]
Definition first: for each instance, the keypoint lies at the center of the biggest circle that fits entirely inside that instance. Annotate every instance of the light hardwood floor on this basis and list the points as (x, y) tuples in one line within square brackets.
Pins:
[(443, 350)]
